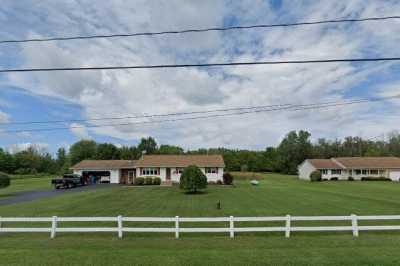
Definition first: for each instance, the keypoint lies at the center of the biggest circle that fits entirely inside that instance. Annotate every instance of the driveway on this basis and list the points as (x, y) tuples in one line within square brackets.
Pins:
[(36, 195)]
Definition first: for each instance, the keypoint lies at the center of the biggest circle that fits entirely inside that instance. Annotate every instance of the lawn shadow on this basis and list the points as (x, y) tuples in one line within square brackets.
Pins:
[(200, 192)]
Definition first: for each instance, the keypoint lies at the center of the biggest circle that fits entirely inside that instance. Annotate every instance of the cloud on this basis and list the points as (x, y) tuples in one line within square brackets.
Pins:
[(4, 118), (79, 130), (122, 93), (18, 147)]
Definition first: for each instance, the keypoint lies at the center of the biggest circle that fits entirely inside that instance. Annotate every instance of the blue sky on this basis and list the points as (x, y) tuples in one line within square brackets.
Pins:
[(87, 95)]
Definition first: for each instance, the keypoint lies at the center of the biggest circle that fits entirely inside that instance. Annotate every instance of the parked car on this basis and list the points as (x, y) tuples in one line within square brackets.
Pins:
[(68, 181), (104, 179)]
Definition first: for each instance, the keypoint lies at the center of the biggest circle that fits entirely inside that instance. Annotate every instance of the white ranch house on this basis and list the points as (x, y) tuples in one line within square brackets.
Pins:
[(355, 167), (166, 167)]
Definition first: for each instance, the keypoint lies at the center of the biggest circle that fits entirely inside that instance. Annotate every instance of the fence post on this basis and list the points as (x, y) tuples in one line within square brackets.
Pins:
[(354, 224), (288, 224), (53, 227), (119, 219), (176, 227), (231, 227)]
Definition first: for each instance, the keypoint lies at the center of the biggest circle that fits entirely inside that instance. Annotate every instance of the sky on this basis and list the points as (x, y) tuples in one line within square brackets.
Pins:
[(96, 94)]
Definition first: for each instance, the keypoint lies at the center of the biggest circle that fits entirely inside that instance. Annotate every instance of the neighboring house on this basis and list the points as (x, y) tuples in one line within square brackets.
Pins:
[(168, 167), (355, 167)]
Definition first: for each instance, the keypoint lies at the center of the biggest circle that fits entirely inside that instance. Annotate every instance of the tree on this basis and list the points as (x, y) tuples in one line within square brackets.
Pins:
[(61, 157), (7, 162), (107, 151), (148, 144), (81, 150), (169, 149), (129, 153), (293, 150), (193, 179)]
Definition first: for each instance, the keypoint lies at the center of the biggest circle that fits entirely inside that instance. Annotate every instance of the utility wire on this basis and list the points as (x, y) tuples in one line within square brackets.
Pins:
[(198, 30), (140, 116), (174, 114), (289, 108), (350, 60)]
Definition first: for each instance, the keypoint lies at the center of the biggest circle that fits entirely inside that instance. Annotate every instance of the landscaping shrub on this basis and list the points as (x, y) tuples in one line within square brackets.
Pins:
[(316, 176), (219, 182), (193, 179), (375, 179), (157, 181), (139, 181), (148, 181), (4, 180), (228, 178), (351, 178), (334, 179)]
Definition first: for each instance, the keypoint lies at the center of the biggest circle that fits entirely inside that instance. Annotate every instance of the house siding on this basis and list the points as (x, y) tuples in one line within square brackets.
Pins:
[(175, 176)]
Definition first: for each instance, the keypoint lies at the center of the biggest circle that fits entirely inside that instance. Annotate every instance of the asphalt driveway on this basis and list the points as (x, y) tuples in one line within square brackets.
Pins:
[(36, 195)]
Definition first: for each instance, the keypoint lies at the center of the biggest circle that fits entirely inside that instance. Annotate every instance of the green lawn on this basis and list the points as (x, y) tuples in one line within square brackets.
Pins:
[(24, 184), (276, 195)]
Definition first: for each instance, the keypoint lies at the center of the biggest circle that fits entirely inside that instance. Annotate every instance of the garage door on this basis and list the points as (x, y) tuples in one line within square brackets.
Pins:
[(395, 175)]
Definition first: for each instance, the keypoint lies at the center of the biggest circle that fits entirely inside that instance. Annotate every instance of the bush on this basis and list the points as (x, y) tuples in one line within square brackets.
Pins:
[(351, 178), (139, 181), (193, 179), (4, 180), (148, 181), (157, 181), (316, 176), (228, 178), (334, 179), (219, 182), (375, 179)]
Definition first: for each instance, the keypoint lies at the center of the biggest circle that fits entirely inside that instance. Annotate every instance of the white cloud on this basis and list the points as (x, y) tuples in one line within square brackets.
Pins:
[(105, 93), (18, 147), (80, 131), (4, 118)]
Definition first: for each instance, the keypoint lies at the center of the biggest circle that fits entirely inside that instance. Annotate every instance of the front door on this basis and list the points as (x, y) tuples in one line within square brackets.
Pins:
[(168, 176)]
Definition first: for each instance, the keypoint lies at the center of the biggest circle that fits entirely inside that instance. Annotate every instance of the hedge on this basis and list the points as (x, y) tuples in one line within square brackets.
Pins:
[(4, 180), (316, 176)]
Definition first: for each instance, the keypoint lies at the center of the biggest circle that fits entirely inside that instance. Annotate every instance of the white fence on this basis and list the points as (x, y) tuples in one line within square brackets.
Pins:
[(287, 224)]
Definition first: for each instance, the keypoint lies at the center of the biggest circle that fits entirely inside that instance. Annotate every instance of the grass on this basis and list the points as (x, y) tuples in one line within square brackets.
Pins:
[(24, 184), (276, 195)]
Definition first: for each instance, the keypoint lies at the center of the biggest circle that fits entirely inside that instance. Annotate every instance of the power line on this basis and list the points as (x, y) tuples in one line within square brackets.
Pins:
[(289, 108), (140, 116), (349, 60), (199, 30), (174, 114), (161, 115)]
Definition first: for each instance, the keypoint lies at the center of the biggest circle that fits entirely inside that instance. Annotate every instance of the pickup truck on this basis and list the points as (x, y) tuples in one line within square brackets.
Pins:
[(68, 181)]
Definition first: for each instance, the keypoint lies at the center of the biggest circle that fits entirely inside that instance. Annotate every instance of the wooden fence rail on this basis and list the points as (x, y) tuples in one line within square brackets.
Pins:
[(287, 227)]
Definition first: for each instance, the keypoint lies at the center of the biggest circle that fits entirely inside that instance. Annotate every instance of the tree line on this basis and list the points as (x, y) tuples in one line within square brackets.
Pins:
[(292, 150)]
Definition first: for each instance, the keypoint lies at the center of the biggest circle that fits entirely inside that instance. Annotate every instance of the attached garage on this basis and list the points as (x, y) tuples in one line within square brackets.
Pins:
[(111, 170)]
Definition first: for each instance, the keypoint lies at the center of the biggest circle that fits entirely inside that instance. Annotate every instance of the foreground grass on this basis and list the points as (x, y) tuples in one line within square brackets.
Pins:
[(276, 195)]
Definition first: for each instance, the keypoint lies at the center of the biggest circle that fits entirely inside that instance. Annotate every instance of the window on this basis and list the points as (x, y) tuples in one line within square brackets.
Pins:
[(364, 172), (179, 171), (382, 172), (211, 170), (150, 171), (336, 171), (324, 171), (358, 172), (373, 172), (131, 174)]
